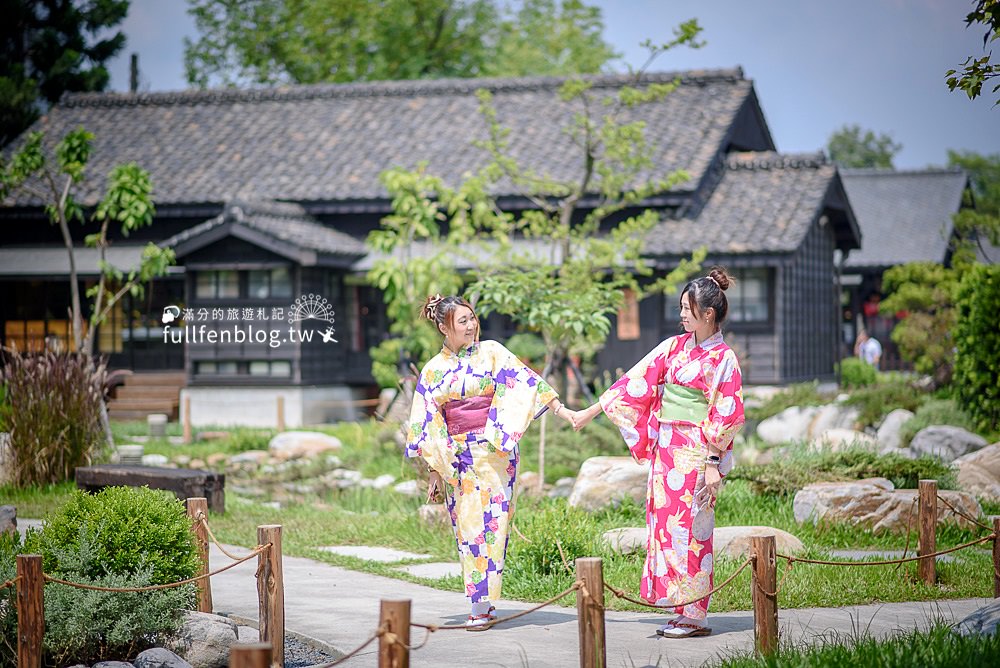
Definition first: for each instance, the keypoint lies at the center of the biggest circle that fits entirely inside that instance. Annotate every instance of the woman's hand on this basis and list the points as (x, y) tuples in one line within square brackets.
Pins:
[(435, 488), (713, 481), (582, 418)]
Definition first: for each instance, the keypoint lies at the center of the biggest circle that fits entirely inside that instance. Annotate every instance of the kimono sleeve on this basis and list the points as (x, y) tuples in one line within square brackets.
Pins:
[(519, 396), (427, 435), (631, 403), (725, 404)]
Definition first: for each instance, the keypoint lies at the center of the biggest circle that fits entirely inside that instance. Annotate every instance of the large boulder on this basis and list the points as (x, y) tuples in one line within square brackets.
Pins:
[(874, 503), (8, 519), (204, 639), (837, 439), (791, 424), (729, 541), (297, 444), (889, 436), (946, 442), (605, 481), (836, 415), (434, 514), (979, 472), (985, 621)]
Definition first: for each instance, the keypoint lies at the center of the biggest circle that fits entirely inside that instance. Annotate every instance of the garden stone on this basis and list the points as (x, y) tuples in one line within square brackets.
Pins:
[(791, 424), (563, 488), (8, 519), (380, 482), (155, 460), (874, 503), (527, 484), (984, 621), (107, 664), (249, 457), (196, 464), (605, 481), (434, 514), (407, 488), (297, 444), (626, 540), (833, 416), (889, 436), (837, 440), (158, 657), (946, 442), (735, 541), (157, 424), (216, 458), (211, 436), (182, 460), (979, 472), (248, 634), (204, 639)]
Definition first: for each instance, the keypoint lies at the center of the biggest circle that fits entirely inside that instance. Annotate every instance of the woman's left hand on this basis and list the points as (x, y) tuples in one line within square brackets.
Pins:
[(713, 481)]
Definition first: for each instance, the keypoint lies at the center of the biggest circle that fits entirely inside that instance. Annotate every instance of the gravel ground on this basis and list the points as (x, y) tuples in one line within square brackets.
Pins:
[(299, 654)]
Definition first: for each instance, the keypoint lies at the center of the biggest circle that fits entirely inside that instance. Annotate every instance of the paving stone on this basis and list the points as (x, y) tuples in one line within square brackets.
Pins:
[(882, 554), (381, 554), (435, 570)]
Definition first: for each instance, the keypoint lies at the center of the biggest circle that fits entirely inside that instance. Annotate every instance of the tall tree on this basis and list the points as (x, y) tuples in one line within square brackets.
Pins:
[(981, 222), (312, 41), (49, 47), (851, 146), (977, 71)]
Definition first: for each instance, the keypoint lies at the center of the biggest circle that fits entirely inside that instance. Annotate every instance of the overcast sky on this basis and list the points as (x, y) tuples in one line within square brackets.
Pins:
[(817, 65)]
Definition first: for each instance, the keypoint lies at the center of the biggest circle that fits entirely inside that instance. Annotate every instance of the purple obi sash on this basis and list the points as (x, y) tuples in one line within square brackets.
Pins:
[(464, 416)]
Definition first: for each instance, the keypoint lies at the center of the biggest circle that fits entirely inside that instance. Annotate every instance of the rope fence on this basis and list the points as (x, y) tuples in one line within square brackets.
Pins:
[(393, 632)]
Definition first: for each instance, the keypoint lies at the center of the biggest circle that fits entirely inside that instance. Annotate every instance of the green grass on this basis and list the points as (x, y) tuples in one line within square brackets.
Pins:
[(936, 648)]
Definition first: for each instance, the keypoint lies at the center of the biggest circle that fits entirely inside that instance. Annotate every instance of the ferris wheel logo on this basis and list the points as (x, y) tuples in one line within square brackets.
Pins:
[(310, 307)]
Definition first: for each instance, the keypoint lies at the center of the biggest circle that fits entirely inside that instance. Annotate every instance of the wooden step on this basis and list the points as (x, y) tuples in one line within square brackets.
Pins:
[(162, 392), (177, 378), (152, 405), (130, 415)]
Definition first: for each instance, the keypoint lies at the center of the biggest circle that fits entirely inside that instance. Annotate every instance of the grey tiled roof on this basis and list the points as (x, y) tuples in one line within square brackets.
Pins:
[(278, 221), (765, 202), (330, 142), (905, 216)]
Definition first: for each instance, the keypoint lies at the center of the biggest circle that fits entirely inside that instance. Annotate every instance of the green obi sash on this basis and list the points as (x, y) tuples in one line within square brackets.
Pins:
[(682, 404)]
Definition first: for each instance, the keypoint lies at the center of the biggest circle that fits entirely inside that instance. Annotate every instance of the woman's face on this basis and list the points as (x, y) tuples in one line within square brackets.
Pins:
[(689, 316), (464, 328)]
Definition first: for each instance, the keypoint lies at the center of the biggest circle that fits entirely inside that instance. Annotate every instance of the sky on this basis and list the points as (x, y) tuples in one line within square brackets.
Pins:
[(817, 65)]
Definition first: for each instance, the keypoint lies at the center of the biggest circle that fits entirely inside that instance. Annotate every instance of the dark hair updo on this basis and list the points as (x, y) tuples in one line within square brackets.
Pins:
[(709, 292), (441, 310)]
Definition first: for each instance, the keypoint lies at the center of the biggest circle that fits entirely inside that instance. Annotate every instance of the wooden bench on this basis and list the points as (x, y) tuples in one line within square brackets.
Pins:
[(184, 483)]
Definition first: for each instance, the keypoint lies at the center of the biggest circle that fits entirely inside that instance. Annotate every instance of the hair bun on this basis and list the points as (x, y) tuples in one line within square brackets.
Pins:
[(719, 276)]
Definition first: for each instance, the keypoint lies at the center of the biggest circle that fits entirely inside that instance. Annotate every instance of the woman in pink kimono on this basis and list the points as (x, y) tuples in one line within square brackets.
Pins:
[(472, 403), (679, 409)]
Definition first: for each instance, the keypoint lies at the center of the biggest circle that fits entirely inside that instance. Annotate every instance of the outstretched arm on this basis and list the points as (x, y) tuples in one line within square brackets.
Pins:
[(582, 418)]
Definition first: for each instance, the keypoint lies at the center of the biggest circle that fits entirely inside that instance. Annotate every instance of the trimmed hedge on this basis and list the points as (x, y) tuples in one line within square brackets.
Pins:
[(977, 346)]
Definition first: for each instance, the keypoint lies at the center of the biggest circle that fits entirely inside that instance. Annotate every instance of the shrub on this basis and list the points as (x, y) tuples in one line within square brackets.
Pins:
[(855, 372), (553, 523), (242, 439), (530, 348), (935, 411), (977, 346), (798, 467), (129, 530), (876, 401), (54, 414), (122, 537)]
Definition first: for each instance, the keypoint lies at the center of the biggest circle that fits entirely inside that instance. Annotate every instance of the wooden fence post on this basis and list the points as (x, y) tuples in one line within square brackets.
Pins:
[(271, 592), (764, 586), (394, 616), (30, 610), (250, 655), (187, 419), (996, 557), (281, 413), (590, 613), (927, 510), (198, 507)]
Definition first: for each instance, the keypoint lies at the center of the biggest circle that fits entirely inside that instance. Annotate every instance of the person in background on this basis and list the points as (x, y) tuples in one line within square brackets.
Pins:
[(868, 348)]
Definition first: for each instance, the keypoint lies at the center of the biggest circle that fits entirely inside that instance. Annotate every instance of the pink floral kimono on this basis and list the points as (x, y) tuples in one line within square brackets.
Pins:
[(669, 407)]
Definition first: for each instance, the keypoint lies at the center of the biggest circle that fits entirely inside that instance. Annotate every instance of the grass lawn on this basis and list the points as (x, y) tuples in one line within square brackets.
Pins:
[(535, 569)]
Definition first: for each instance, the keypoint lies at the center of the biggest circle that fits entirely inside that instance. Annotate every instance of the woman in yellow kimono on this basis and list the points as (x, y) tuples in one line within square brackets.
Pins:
[(472, 403)]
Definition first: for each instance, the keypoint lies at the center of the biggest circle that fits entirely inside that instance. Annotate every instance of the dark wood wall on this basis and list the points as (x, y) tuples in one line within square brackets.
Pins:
[(810, 309)]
